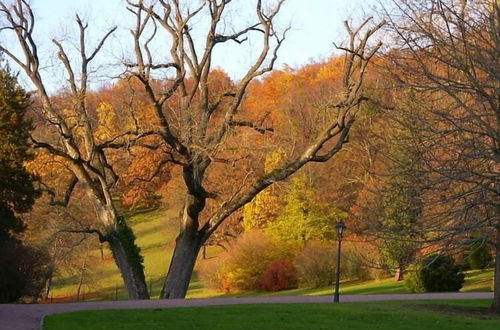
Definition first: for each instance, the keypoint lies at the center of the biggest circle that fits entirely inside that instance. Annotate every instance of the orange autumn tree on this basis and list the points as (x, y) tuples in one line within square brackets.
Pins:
[(290, 102), (144, 165)]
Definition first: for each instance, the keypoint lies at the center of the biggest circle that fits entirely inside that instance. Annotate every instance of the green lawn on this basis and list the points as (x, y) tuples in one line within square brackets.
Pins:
[(392, 315)]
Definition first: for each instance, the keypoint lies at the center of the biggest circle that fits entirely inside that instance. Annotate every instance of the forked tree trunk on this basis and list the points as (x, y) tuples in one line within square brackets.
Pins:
[(496, 285), (131, 272), (187, 247)]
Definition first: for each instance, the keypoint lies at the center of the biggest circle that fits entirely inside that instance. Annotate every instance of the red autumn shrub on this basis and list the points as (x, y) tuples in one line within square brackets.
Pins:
[(244, 264), (280, 275)]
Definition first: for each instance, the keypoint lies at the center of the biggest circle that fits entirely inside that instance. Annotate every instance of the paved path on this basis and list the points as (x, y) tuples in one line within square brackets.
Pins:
[(29, 317)]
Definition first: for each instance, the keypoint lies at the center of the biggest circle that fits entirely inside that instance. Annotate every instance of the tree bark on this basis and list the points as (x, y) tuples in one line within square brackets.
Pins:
[(132, 274), (82, 274), (48, 286), (125, 252), (399, 274), (496, 285), (190, 239), (187, 247)]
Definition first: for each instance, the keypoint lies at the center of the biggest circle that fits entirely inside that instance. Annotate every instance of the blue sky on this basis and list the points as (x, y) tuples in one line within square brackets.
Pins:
[(315, 25)]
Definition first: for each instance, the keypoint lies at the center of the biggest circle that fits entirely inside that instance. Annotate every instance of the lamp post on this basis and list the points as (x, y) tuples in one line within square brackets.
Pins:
[(340, 233)]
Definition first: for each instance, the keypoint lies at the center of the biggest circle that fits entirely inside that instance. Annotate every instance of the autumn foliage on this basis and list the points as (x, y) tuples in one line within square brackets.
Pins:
[(280, 275), (401, 145)]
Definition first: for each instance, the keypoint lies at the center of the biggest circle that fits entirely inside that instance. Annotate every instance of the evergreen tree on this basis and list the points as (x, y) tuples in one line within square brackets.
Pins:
[(22, 268), (17, 193), (401, 207)]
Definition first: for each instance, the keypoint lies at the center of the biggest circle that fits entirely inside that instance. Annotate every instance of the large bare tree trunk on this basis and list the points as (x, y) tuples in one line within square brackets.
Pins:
[(186, 251), (132, 273), (496, 284), (187, 246), (125, 252), (83, 153)]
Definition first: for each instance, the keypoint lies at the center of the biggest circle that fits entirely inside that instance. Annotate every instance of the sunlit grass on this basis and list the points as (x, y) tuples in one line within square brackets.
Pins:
[(476, 281), (155, 232)]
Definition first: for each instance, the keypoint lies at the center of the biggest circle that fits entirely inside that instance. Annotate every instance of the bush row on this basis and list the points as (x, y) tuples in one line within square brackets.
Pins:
[(256, 262)]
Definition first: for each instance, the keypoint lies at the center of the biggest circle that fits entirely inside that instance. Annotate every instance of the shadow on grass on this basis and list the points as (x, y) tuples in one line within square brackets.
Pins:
[(484, 313)]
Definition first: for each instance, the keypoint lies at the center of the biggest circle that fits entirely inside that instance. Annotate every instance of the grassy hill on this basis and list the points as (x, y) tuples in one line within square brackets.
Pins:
[(156, 231)]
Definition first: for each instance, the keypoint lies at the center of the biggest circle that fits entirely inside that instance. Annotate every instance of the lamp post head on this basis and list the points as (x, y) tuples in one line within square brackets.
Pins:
[(340, 228)]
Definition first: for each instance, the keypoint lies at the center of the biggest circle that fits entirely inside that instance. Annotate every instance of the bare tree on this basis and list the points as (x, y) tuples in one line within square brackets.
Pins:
[(447, 62), (199, 125), (73, 139)]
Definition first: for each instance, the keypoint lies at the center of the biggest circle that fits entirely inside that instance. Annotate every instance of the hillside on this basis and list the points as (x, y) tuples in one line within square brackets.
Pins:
[(156, 232)]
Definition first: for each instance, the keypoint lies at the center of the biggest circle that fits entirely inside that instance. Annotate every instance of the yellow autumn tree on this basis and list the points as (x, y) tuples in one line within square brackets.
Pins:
[(266, 205), (303, 217)]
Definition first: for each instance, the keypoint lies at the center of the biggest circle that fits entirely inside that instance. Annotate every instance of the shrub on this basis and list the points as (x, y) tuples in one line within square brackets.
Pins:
[(280, 275), (210, 271), (352, 265), (244, 264), (315, 264), (435, 273), (23, 271), (479, 256), (377, 273)]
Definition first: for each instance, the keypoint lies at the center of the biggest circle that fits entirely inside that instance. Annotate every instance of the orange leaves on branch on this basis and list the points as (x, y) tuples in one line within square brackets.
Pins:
[(219, 82), (50, 168), (293, 100), (107, 122), (144, 177), (331, 70)]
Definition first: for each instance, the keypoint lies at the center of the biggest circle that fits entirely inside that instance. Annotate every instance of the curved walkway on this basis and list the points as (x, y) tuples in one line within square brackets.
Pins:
[(29, 317)]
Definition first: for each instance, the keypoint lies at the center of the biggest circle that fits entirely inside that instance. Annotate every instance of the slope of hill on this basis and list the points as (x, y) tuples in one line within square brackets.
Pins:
[(156, 231)]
